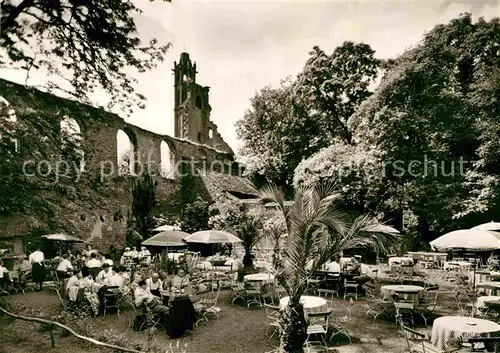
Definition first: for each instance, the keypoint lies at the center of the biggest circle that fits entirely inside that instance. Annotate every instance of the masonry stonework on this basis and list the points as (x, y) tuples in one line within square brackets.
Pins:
[(103, 220)]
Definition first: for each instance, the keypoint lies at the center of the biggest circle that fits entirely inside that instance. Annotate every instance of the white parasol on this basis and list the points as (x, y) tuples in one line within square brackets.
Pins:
[(212, 237)]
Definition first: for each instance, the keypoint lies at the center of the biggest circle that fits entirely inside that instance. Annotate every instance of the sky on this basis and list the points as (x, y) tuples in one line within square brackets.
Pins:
[(243, 46)]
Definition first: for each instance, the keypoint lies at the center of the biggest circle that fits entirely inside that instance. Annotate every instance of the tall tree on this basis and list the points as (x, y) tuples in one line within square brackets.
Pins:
[(430, 131), (313, 230), (143, 201), (290, 123), (333, 86)]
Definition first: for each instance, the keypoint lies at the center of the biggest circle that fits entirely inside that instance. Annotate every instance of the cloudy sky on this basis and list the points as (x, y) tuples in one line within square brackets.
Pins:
[(242, 46)]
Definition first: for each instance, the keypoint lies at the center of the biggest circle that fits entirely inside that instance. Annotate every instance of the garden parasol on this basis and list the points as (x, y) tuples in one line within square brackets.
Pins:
[(469, 240), (172, 238), (165, 228), (63, 237), (212, 237), (490, 226)]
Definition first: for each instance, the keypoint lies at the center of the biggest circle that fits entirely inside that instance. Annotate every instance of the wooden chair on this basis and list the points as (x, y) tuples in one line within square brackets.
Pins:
[(428, 305), (209, 307), (111, 300), (351, 289), (328, 294), (338, 323), (376, 305), (418, 342), (254, 293), (318, 326), (238, 291)]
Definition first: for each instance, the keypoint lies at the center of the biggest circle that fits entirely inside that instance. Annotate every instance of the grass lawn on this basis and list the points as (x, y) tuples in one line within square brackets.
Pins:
[(237, 330)]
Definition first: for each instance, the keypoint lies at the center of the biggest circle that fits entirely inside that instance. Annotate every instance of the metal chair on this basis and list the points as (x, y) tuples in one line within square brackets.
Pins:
[(318, 326)]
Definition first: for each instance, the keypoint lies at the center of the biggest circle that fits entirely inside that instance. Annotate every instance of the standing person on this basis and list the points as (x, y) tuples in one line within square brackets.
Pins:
[(38, 268)]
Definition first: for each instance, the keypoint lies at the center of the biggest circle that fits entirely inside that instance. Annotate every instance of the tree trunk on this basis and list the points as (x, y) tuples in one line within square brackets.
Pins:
[(293, 331), (247, 258)]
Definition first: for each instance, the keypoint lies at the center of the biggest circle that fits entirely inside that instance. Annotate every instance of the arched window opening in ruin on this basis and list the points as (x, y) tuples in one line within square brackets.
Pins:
[(126, 153), (71, 140), (8, 122), (167, 161), (199, 102), (210, 133)]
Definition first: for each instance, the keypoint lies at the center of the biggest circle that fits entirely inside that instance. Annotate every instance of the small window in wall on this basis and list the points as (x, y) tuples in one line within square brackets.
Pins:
[(199, 103), (210, 133)]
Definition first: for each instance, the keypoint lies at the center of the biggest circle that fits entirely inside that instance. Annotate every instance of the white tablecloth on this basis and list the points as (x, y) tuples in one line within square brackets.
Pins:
[(264, 277), (447, 328), (481, 300), (452, 265), (400, 260), (403, 290), (311, 304)]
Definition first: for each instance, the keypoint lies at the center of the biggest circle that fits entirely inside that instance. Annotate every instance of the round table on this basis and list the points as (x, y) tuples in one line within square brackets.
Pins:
[(447, 328), (259, 277), (482, 302), (403, 290), (311, 304)]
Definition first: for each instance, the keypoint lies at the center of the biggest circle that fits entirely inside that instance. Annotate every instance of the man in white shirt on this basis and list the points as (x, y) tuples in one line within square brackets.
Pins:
[(94, 262), (332, 267), (115, 280), (38, 268), (106, 272), (64, 268), (155, 285)]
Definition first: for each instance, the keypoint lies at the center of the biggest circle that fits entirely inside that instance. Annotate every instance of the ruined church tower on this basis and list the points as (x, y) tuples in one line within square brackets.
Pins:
[(192, 108)]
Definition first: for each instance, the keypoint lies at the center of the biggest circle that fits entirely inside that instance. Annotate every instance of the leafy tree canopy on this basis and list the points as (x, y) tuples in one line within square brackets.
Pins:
[(287, 124), (88, 44), (431, 129)]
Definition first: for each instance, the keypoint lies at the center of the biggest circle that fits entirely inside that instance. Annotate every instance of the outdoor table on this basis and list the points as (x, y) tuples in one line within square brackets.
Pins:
[(311, 304), (181, 316), (447, 328), (400, 261), (453, 265), (404, 290), (482, 302), (491, 287), (174, 256), (262, 277)]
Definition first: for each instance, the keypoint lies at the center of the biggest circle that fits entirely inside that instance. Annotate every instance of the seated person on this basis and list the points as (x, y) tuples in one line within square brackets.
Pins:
[(106, 272), (332, 267), (115, 280), (180, 280), (64, 268), (89, 294), (126, 257), (145, 255), (88, 251), (4, 274), (143, 296), (155, 285), (74, 284), (94, 264), (123, 272)]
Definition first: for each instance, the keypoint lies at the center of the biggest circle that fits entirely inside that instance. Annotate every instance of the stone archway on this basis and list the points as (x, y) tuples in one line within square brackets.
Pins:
[(167, 161), (71, 139), (126, 151)]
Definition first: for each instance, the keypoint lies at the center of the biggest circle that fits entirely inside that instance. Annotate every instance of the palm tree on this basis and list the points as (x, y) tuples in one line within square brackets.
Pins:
[(313, 230)]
